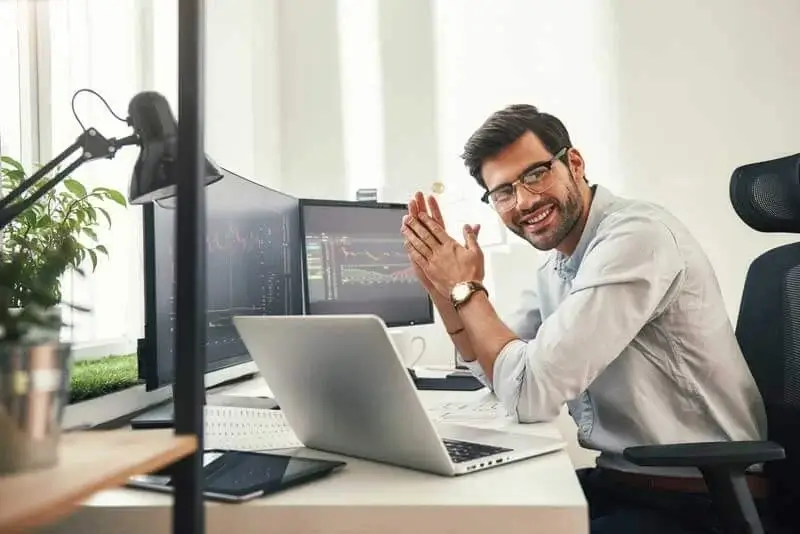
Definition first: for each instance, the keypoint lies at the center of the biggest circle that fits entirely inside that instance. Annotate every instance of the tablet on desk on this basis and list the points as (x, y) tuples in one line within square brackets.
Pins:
[(240, 476)]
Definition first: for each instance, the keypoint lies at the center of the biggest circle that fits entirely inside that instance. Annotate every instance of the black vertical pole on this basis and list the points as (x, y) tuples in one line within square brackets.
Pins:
[(188, 512)]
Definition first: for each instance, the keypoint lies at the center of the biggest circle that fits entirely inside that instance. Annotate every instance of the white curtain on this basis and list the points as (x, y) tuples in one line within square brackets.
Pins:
[(12, 64), (96, 44)]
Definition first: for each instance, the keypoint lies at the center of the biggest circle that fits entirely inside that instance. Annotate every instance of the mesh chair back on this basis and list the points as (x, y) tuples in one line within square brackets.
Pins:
[(766, 196)]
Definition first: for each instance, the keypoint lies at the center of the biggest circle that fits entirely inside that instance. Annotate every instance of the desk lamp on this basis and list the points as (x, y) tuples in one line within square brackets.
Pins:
[(164, 168), (155, 174)]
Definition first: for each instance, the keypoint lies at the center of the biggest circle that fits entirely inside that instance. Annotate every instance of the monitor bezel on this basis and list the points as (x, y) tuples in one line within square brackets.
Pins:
[(319, 202)]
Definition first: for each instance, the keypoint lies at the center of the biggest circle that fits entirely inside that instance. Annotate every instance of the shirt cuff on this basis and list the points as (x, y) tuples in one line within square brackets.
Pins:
[(509, 372), (476, 370)]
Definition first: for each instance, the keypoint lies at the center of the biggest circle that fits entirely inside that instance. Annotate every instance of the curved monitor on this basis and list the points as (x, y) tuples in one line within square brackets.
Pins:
[(354, 262), (252, 268)]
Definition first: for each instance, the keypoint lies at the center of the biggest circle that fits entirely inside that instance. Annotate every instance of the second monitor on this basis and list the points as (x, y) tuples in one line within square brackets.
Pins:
[(354, 262)]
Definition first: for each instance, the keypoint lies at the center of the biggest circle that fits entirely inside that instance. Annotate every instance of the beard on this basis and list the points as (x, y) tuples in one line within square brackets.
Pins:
[(565, 215)]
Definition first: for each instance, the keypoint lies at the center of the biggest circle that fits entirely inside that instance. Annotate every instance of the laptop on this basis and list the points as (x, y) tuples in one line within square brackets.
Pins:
[(343, 388)]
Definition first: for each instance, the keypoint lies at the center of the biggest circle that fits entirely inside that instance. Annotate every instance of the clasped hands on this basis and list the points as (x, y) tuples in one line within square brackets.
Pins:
[(440, 262)]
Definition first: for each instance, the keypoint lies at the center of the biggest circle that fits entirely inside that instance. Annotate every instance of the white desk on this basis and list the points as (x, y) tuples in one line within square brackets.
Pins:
[(540, 495)]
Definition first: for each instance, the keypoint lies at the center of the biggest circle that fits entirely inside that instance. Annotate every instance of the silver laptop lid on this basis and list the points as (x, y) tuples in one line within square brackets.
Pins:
[(343, 387)]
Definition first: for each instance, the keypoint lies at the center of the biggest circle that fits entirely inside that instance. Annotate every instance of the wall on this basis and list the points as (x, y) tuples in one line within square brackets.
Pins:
[(311, 123), (701, 95)]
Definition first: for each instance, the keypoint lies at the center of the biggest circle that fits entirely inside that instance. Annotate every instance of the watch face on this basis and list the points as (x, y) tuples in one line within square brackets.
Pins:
[(460, 291)]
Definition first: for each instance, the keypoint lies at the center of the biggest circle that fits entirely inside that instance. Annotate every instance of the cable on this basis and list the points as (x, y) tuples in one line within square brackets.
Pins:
[(103, 100)]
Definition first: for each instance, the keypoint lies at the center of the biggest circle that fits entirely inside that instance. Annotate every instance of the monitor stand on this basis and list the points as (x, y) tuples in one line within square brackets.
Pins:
[(163, 416)]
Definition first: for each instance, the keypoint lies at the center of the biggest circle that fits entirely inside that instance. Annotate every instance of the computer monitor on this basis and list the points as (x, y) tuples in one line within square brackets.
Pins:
[(354, 262), (253, 268)]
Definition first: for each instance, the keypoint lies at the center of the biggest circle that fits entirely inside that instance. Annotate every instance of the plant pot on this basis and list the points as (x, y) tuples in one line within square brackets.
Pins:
[(42, 334), (34, 383)]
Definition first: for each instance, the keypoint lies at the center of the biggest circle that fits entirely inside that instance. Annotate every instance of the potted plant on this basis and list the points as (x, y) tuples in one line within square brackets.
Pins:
[(54, 235)]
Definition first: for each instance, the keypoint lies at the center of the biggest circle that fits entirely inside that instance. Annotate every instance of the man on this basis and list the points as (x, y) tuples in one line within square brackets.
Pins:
[(624, 322)]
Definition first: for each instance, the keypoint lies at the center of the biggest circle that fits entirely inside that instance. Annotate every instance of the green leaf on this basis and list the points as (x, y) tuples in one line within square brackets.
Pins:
[(117, 197), (29, 217), (102, 249), (90, 233), (15, 175), (44, 221), (14, 163), (108, 217), (75, 187), (93, 256)]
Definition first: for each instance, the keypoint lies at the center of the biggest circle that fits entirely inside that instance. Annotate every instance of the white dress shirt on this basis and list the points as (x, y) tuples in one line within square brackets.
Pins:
[(632, 334)]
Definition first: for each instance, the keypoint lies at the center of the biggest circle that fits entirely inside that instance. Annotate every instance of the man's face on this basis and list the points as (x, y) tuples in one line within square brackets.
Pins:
[(542, 218)]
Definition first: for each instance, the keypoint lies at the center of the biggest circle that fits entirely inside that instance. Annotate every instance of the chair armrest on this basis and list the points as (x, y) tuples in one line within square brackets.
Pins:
[(712, 454), (723, 465)]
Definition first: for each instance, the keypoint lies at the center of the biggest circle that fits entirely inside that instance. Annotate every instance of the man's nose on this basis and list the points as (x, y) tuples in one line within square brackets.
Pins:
[(525, 199)]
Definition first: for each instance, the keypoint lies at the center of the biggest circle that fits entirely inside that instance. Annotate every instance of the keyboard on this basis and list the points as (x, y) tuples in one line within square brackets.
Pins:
[(163, 416), (464, 451)]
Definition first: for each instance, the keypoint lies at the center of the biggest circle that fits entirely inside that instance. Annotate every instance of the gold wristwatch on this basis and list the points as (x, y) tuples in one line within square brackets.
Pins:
[(463, 291)]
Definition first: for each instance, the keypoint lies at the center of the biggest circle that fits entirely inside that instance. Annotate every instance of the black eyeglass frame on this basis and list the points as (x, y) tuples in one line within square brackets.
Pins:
[(536, 168)]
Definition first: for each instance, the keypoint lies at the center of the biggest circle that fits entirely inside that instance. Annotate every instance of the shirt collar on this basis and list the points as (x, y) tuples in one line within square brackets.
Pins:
[(602, 198)]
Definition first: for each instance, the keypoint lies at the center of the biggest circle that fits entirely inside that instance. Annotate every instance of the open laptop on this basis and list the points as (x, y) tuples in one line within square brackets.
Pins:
[(343, 388)]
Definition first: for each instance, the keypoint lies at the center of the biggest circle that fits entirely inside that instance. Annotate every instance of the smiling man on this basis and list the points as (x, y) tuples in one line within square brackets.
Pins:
[(624, 321)]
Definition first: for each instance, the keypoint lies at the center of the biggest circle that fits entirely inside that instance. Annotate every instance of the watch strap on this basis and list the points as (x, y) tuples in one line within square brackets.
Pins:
[(474, 287)]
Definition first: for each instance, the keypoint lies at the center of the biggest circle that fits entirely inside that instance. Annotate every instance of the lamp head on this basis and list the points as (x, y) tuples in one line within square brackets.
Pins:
[(155, 173)]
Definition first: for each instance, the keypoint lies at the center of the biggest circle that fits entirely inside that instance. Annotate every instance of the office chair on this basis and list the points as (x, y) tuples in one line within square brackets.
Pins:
[(766, 196)]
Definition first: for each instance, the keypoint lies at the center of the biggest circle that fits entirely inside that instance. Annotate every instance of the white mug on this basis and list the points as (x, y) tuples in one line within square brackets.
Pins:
[(404, 344)]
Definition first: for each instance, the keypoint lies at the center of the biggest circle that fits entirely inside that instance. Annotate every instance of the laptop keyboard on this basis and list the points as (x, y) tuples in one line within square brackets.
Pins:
[(464, 451)]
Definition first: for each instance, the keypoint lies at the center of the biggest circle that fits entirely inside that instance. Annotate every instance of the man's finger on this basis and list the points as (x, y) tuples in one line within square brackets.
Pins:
[(414, 254), (435, 210), (434, 228), (470, 238), (415, 240), (419, 198), (433, 207), (415, 225), (413, 207)]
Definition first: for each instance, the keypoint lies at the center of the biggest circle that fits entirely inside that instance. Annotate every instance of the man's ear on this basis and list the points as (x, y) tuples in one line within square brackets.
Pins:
[(576, 163)]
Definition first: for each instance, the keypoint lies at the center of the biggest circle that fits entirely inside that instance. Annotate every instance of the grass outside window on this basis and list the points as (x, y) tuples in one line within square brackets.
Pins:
[(94, 378)]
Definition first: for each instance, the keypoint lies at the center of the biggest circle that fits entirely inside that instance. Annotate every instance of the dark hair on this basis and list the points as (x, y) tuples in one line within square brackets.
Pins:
[(504, 127)]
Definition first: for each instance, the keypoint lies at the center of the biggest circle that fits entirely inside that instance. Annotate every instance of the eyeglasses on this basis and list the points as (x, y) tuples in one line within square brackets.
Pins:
[(504, 197)]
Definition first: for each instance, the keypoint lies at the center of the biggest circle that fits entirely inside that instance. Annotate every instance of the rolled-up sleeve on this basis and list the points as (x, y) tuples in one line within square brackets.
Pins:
[(524, 322), (629, 274)]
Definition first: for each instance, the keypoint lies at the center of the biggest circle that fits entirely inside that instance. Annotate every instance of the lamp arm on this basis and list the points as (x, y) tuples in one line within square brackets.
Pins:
[(38, 175), (94, 146)]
